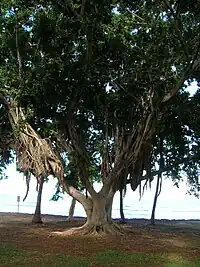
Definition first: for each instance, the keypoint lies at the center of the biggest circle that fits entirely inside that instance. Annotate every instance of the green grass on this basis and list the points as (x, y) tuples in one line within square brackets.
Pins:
[(10, 256)]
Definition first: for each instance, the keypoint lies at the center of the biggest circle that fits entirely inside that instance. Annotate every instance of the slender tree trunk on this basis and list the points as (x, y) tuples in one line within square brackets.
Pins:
[(121, 206), (158, 189), (159, 180), (71, 209), (37, 215)]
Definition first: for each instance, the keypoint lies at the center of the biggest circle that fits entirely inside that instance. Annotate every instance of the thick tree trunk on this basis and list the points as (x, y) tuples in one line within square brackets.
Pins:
[(99, 220), (37, 215), (109, 203), (121, 206), (37, 155), (71, 209)]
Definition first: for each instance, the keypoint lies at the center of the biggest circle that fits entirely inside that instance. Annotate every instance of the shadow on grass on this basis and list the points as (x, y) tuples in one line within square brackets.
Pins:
[(10, 256)]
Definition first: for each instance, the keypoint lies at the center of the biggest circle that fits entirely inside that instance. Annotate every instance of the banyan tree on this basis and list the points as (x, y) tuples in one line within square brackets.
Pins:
[(97, 78)]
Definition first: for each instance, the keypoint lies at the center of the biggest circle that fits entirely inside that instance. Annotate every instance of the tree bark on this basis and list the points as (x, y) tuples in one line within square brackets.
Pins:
[(121, 206), (99, 222), (109, 203), (36, 154), (71, 209), (158, 188), (37, 215), (159, 180)]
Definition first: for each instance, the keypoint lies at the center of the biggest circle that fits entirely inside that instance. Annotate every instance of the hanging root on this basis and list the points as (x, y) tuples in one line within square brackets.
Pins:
[(94, 230), (32, 151), (27, 175), (36, 156)]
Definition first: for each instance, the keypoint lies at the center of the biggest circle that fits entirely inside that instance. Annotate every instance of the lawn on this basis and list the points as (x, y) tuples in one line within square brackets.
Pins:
[(10, 256), (166, 244)]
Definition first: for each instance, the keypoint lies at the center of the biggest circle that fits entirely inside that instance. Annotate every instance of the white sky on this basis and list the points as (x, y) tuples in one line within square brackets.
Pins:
[(172, 203), (16, 185)]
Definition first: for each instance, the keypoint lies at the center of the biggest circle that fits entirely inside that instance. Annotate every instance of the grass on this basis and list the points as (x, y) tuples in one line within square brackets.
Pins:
[(11, 256), (167, 244)]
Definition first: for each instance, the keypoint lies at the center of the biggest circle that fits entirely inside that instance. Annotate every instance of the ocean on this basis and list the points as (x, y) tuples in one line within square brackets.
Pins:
[(173, 203), (133, 207)]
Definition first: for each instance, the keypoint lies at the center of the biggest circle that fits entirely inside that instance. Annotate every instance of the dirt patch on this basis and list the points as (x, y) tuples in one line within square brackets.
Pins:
[(165, 237)]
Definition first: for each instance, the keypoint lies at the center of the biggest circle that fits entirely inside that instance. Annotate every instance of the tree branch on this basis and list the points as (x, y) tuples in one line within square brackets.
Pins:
[(18, 53), (191, 63), (80, 152), (177, 27), (83, 8), (182, 79)]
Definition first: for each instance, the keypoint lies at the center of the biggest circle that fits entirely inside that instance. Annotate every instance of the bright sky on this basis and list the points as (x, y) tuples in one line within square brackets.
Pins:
[(171, 201), (15, 185)]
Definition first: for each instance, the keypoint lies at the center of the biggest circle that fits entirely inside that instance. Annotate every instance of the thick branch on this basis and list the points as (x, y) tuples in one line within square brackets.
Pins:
[(81, 198), (81, 155)]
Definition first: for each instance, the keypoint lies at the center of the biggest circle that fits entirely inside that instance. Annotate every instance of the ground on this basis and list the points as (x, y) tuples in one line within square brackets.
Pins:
[(168, 243)]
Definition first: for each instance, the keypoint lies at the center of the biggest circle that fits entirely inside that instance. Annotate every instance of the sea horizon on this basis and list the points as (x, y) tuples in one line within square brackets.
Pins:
[(165, 210), (173, 203)]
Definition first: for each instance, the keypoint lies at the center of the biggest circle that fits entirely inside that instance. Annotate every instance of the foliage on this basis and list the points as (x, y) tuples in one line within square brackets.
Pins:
[(101, 79), (6, 142)]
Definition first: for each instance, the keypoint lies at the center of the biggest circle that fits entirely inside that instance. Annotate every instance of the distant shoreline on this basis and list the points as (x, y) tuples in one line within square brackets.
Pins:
[(53, 216)]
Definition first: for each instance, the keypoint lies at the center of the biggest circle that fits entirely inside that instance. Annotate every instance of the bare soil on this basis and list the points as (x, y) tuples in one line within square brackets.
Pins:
[(172, 237)]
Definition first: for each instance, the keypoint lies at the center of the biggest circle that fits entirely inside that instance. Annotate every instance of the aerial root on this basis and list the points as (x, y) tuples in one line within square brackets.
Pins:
[(89, 229)]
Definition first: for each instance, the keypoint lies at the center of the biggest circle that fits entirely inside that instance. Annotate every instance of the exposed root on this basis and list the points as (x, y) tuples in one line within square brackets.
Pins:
[(37, 220), (122, 222), (71, 220), (89, 229)]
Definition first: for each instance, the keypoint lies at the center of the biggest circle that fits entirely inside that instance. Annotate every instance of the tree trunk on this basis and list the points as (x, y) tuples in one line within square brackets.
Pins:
[(121, 206), (158, 188), (71, 209), (159, 180), (36, 155), (99, 220), (109, 203), (37, 215)]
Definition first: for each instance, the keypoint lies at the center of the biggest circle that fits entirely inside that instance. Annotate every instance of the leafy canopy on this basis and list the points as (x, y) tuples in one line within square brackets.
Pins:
[(90, 73)]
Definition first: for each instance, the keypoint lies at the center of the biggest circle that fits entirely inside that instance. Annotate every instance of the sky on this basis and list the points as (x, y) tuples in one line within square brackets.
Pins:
[(172, 203), (15, 186)]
